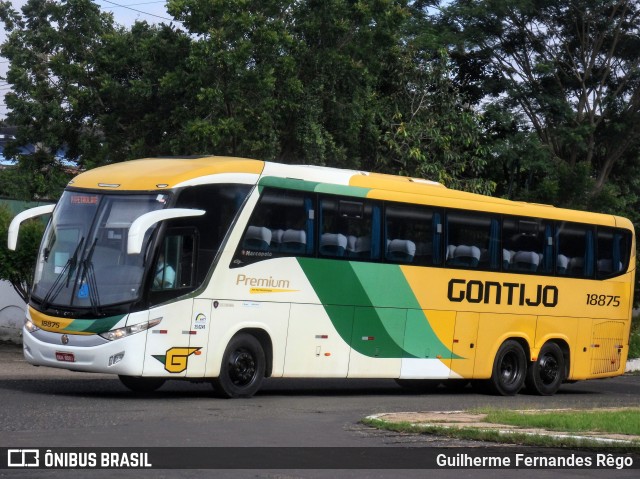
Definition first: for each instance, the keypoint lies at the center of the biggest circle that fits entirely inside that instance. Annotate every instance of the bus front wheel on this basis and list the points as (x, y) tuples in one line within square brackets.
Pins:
[(545, 375), (242, 369), (141, 385), (509, 369)]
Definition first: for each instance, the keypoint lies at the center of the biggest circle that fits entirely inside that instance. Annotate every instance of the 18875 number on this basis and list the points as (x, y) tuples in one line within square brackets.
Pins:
[(603, 300)]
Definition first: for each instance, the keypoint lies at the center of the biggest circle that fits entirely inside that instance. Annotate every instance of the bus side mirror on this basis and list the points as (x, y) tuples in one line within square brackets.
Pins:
[(141, 225), (14, 226)]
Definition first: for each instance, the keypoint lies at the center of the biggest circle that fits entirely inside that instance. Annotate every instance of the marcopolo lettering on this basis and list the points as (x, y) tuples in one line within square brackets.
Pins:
[(493, 292)]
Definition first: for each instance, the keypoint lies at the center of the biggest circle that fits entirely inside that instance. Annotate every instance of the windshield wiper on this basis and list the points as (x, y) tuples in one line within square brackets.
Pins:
[(66, 274), (89, 275)]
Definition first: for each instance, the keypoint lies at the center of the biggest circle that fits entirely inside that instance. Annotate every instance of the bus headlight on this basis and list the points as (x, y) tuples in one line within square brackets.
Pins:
[(30, 326), (129, 330)]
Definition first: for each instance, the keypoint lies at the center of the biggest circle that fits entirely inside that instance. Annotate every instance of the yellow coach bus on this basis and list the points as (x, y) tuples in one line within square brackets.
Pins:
[(233, 270)]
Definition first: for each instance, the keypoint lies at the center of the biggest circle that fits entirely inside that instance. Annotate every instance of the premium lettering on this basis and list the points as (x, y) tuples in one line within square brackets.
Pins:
[(494, 292), (269, 282)]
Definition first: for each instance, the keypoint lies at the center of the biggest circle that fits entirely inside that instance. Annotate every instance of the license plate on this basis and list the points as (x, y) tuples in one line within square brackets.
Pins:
[(66, 357)]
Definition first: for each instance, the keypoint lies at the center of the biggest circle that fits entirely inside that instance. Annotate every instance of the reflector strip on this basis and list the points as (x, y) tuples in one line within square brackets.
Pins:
[(189, 332), (368, 338)]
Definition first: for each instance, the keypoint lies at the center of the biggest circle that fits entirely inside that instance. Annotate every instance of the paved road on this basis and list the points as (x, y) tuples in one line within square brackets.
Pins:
[(42, 407)]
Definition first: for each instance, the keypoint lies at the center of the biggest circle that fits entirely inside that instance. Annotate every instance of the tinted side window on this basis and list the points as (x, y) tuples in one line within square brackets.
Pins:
[(527, 245), (413, 234), (473, 241), (349, 228), (576, 249), (613, 252), (281, 225)]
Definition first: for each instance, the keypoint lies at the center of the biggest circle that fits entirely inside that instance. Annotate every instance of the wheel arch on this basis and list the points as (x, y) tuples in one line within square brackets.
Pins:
[(566, 353), (267, 346)]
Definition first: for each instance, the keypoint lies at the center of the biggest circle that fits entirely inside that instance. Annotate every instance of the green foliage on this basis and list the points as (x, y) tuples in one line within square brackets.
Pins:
[(329, 82), (17, 266), (567, 72)]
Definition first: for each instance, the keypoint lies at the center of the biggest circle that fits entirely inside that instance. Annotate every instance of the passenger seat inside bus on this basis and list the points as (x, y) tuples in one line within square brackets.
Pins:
[(257, 238), (465, 255), (401, 251), (359, 247), (333, 244), (526, 261), (294, 242)]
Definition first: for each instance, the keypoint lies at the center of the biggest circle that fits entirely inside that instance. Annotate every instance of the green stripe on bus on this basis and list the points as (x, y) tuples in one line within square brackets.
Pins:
[(95, 326), (312, 186), (386, 321)]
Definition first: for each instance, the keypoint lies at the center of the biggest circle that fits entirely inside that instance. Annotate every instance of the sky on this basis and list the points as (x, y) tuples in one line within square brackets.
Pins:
[(125, 12)]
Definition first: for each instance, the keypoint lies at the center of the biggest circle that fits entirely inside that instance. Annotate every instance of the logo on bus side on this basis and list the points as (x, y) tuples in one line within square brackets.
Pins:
[(493, 292), (175, 361)]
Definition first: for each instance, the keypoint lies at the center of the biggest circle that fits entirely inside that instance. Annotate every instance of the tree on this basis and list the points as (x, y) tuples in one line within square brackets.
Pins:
[(17, 266), (86, 92), (569, 72), (51, 48)]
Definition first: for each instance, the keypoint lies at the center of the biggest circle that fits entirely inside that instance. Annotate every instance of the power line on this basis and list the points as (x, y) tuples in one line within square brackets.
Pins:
[(137, 4), (140, 11)]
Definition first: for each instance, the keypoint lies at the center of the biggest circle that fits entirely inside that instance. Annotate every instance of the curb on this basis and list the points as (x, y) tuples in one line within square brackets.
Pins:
[(456, 420), (633, 365)]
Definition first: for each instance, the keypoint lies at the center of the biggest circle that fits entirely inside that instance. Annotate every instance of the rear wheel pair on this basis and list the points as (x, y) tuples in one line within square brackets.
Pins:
[(511, 371)]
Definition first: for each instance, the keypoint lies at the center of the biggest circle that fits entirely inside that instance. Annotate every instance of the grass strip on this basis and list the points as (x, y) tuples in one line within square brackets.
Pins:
[(619, 421), (472, 433)]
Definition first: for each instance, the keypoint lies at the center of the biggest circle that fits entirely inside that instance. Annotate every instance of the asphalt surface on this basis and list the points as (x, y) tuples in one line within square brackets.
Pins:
[(44, 407)]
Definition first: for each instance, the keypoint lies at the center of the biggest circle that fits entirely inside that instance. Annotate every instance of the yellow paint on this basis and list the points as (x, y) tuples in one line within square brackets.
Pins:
[(271, 290), (147, 174), (52, 323), (176, 360)]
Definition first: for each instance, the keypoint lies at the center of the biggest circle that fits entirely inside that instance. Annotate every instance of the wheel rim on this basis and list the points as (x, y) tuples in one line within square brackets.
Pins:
[(549, 369), (509, 370), (242, 367)]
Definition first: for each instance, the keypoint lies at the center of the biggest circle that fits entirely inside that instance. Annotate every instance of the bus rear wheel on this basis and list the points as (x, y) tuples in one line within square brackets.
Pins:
[(141, 385), (509, 369), (545, 375), (242, 369)]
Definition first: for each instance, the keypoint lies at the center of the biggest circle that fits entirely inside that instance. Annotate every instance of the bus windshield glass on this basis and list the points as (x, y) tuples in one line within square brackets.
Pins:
[(83, 261)]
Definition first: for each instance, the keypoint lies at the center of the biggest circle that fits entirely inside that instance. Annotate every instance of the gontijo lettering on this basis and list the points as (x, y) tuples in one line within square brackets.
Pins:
[(269, 282), (494, 292)]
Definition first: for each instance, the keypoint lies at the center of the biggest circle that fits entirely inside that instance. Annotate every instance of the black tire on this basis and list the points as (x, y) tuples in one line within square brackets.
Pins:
[(141, 385), (509, 369), (242, 369), (545, 376), (419, 385)]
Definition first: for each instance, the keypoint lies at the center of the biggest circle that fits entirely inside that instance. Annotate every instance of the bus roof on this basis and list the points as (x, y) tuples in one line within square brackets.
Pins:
[(152, 174)]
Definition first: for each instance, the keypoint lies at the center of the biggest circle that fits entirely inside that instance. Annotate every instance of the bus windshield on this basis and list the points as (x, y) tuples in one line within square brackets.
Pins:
[(83, 261)]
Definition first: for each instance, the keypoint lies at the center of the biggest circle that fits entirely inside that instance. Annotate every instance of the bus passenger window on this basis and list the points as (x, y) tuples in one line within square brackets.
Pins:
[(348, 229), (527, 245), (473, 241), (281, 225), (412, 234), (612, 250), (576, 250)]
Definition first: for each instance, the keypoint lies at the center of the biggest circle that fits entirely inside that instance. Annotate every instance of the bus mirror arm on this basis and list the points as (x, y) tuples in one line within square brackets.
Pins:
[(14, 226), (141, 225)]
